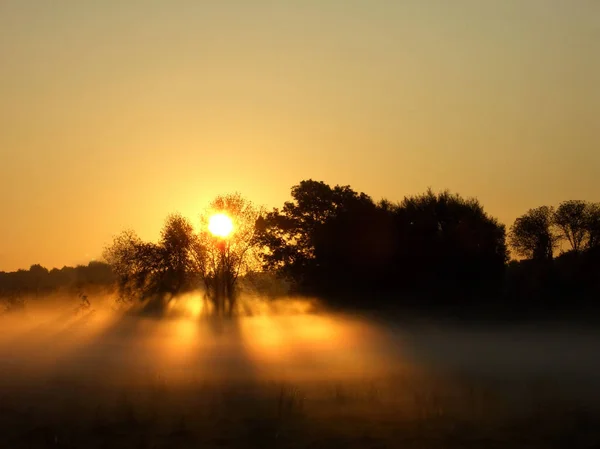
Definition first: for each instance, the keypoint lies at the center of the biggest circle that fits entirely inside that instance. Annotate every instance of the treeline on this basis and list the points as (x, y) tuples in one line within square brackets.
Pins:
[(38, 280), (429, 250), (434, 249), (184, 260), (561, 250), (335, 242)]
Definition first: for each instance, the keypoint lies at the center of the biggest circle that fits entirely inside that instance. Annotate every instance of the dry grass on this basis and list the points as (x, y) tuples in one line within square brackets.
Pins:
[(109, 381), (390, 412)]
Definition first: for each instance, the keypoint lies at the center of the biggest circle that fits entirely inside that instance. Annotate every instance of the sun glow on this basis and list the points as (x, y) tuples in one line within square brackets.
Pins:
[(220, 225)]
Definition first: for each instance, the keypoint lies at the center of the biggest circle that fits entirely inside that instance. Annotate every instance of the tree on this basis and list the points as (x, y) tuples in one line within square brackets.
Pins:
[(337, 242), (155, 271), (178, 255), (354, 250), (96, 273), (571, 217), (289, 235), (449, 244), (593, 225), (38, 277), (135, 264), (221, 261), (532, 234)]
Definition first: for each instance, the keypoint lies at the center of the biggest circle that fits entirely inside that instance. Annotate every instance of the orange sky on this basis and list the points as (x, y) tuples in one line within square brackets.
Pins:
[(115, 113)]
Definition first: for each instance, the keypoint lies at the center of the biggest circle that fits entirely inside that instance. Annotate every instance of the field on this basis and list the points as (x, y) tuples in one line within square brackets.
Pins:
[(102, 378)]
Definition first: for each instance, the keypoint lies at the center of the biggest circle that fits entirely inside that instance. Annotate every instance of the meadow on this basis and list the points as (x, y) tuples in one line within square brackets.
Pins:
[(103, 377)]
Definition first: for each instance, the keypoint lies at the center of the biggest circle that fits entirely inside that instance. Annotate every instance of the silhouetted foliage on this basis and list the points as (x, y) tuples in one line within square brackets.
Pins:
[(178, 246), (432, 249), (149, 271), (533, 235), (222, 261), (334, 240), (354, 250), (571, 217), (289, 235), (183, 260), (451, 244), (136, 265), (39, 280), (569, 280), (593, 225)]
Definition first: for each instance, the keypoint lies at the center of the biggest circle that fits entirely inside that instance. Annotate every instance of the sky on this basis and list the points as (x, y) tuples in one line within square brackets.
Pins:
[(114, 114)]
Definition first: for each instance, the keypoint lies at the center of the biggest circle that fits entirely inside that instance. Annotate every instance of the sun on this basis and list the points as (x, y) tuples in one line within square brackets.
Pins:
[(220, 225)]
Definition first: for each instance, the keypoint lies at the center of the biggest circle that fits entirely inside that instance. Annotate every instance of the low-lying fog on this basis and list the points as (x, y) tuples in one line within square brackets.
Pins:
[(57, 338)]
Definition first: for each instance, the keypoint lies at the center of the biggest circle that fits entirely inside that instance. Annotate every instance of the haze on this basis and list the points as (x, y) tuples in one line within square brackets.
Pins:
[(114, 114), (287, 340)]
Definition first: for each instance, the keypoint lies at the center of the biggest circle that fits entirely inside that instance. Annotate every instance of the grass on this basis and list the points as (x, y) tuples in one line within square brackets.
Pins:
[(400, 411), (63, 388)]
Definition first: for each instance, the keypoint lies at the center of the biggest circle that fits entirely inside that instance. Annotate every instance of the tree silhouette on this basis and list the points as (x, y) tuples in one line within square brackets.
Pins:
[(334, 240), (571, 217), (593, 225), (136, 265), (438, 249), (532, 234), (221, 262), (354, 250), (178, 255), (289, 234), (155, 272), (449, 245)]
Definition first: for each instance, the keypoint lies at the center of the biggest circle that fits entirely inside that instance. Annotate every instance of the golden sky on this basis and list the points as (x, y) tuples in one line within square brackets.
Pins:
[(115, 113)]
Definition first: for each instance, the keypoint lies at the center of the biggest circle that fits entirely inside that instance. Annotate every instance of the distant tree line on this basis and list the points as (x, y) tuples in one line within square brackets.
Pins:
[(39, 281), (432, 249)]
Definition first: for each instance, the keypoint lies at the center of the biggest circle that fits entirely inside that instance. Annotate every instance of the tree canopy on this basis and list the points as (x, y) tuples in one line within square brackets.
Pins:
[(434, 248), (335, 239), (221, 261), (155, 271), (571, 218), (533, 234)]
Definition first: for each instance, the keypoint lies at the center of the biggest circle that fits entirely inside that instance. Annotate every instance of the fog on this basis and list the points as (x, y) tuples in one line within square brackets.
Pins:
[(103, 343), (288, 374), (289, 340)]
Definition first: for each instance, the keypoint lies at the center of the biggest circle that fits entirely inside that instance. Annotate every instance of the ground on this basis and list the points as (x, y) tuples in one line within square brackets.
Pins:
[(114, 381)]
